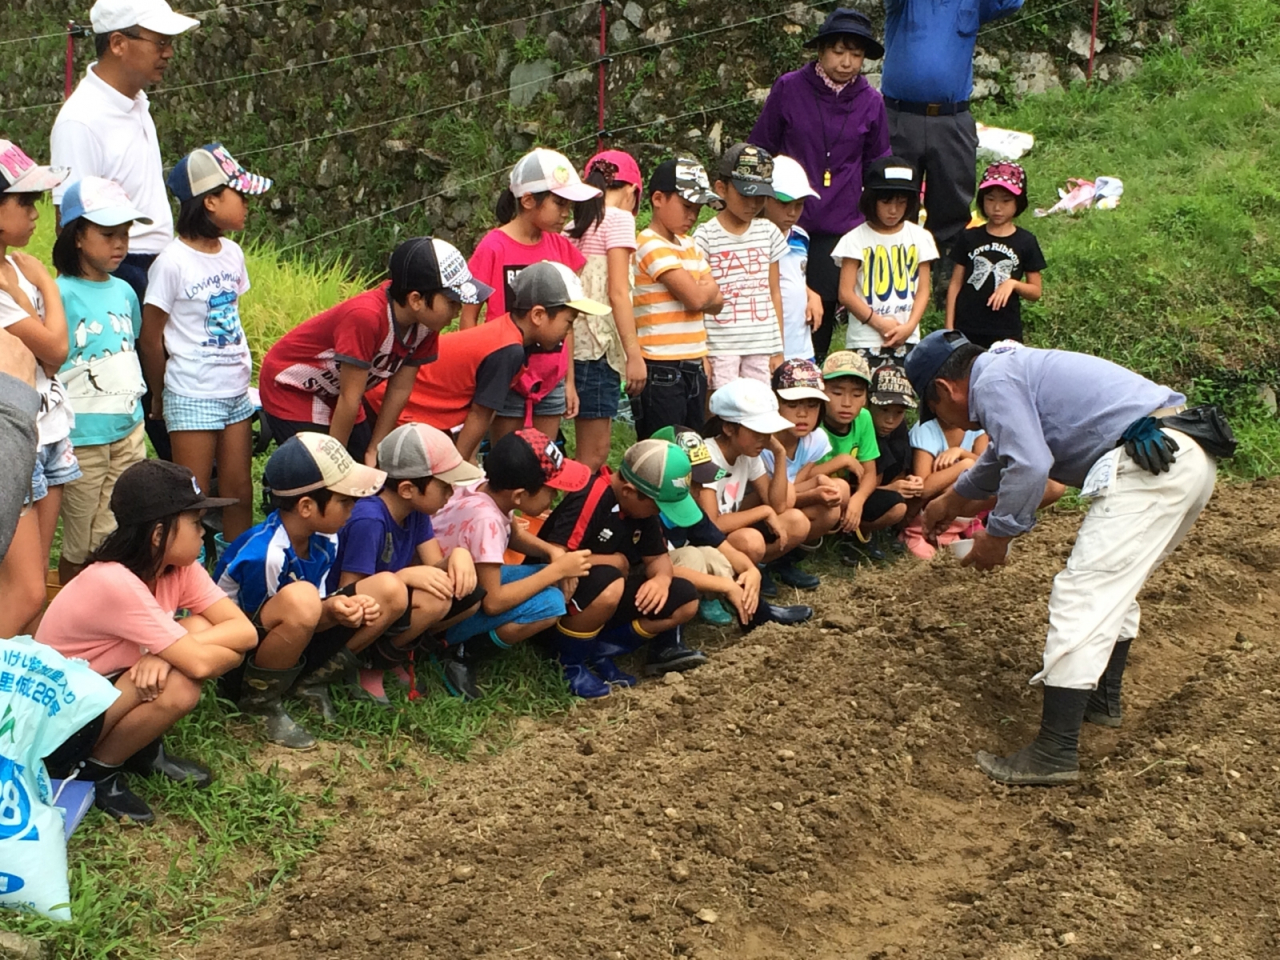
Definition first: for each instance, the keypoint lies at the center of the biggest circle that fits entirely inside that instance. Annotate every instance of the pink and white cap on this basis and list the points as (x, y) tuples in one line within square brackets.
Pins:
[(415, 450), (20, 174), (545, 171)]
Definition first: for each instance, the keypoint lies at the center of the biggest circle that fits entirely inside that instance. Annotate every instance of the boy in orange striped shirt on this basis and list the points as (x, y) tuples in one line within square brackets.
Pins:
[(673, 290)]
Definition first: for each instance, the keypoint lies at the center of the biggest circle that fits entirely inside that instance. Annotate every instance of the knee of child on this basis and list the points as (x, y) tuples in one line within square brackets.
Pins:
[(180, 692), (685, 613), (297, 604), (389, 590), (896, 515), (843, 486), (748, 541), (796, 524), (610, 596)]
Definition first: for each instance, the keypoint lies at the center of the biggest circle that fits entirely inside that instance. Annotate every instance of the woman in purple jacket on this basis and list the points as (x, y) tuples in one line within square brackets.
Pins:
[(826, 116)]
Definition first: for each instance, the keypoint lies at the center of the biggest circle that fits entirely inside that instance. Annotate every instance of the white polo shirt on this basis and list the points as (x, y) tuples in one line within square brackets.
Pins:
[(102, 133)]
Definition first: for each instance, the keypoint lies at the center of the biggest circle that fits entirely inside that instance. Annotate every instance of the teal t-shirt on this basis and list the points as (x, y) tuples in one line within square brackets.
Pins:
[(859, 442), (102, 375)]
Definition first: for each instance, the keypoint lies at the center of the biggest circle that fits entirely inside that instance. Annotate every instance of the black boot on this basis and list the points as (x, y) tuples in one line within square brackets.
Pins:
[(1104, 703), (786, 569), (772, 613), (112, 794), (152, 759), (343, 669), (261, 693), (668, 654), (458, 665), (1051, 758)]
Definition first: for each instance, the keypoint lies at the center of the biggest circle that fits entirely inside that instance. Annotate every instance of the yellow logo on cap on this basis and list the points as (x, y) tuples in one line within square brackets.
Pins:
[(561, 175)]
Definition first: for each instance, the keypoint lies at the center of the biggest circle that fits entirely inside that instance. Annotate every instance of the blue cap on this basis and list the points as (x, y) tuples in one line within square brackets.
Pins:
[(99, 201), (927, 358)]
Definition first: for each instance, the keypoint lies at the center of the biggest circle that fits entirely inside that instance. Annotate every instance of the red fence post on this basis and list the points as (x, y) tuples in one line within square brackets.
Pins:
[(1093, 40)]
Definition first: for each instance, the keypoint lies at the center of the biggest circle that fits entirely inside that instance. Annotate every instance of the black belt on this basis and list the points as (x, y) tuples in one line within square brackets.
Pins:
[(927, 109)]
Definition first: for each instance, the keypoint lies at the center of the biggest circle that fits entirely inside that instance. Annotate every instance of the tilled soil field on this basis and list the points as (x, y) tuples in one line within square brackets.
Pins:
[(812, 792)]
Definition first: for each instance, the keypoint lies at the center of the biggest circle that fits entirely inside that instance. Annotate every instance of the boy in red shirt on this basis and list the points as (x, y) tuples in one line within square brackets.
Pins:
[(315, 377)]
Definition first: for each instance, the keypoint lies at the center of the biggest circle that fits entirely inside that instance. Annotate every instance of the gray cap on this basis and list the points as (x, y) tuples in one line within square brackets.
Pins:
[(415, 450), (549, 284)]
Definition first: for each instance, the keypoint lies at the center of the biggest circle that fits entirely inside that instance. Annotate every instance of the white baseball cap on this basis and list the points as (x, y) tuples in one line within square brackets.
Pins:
[(20, 174), (790, 182), (99, 201), (545, 171), (750, 403), (156, 15)]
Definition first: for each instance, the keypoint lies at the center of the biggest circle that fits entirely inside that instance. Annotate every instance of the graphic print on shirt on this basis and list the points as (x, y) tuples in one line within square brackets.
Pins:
[(509, 273), (98, 378), (743, 276), (983, 267), (888, 278), (222, 322)]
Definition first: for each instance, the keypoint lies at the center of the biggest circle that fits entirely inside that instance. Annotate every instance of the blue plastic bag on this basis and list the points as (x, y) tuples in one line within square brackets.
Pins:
[(44, 699)]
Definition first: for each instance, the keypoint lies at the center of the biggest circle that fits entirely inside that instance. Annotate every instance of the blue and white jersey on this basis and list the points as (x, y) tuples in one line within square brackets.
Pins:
[(262, 560)]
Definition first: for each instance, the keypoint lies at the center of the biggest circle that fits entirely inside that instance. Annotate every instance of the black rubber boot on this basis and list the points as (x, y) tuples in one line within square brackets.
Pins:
[(152, 759), (668, 654), (458, 665), (1104, 702), (261, 693), (771, 613), (112, 794), (1051, 758), (786, 569)]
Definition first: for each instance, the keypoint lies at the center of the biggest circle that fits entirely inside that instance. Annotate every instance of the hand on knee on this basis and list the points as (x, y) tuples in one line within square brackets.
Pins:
[(179, 695)]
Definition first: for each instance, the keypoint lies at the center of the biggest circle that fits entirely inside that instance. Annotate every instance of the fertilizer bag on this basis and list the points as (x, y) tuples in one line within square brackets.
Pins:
[(44, 699)]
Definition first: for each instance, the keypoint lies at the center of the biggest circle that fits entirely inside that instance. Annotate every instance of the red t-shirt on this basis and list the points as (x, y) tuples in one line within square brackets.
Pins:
[(498, 259), (299, 379), (477, 365)]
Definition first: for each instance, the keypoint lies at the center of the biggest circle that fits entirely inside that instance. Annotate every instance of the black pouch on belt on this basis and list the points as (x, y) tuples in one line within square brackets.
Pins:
[(1207, 426)]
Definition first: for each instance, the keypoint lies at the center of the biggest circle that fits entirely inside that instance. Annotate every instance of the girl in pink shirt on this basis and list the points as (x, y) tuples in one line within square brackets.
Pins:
[(120, 615), (543, 189)]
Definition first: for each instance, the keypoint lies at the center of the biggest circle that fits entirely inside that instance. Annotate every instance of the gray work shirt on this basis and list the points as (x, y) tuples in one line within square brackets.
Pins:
[(1049, 414)]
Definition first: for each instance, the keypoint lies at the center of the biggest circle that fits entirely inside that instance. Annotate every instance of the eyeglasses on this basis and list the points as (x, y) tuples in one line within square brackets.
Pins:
[(161, 43)]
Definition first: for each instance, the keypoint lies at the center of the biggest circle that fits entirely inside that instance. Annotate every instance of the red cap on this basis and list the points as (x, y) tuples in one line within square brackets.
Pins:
[(619, 166)]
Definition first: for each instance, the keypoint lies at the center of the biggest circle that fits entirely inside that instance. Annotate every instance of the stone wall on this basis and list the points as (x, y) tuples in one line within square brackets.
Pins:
[(386, 118)]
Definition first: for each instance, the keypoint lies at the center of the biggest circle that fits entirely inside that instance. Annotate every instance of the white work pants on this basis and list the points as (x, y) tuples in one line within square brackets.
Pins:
[(1129, 530)]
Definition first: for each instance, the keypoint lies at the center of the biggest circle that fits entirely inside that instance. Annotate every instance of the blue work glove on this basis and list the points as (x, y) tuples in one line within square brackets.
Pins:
[(1148, 446)]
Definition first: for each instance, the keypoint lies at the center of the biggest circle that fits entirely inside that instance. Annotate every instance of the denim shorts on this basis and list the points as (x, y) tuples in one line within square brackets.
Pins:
[(204, 413), (552, 405), (56, 464), (543, 605), (599, 389)]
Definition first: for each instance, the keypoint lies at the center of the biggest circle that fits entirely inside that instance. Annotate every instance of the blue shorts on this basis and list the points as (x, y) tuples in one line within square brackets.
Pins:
[(543, 605), (552, 405), (599, 389), (56, 464), (205, 413)]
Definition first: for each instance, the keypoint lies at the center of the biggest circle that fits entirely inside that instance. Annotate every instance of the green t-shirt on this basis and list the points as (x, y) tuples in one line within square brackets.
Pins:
[(859, 442)]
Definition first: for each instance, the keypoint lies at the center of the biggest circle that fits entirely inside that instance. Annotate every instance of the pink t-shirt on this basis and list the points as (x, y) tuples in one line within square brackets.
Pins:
[(472, 521), (107, 616), (498, 258)]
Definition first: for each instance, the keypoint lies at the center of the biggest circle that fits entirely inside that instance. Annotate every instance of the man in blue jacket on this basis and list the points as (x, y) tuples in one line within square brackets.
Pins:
[(926, 80), (1127, 444)]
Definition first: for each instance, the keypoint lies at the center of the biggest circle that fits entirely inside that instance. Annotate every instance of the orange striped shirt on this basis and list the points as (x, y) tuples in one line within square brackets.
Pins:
[(666, 329)]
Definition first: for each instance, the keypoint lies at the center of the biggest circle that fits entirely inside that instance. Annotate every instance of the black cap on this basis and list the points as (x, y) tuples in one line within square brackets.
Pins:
[(851, 23), (749, 168), (687, 177), (427, 265), (527, 459), (154, 489), (891, 175)]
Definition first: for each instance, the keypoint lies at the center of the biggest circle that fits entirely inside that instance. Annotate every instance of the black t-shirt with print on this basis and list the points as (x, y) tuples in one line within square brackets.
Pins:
[(606, 530), (895, 454), (988, 261)]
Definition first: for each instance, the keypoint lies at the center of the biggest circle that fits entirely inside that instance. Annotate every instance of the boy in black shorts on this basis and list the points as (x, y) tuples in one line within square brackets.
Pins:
[(897, 493), (616, 517)]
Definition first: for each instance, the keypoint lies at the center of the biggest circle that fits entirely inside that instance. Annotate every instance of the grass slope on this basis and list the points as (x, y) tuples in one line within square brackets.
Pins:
[(1180, 282)]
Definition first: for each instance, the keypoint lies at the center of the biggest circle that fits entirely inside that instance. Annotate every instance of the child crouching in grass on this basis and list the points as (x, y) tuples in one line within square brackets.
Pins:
[(755, 511), (897, 494), (392, 531), (524, 470), (821, 498), (119, 614), (278, 573)]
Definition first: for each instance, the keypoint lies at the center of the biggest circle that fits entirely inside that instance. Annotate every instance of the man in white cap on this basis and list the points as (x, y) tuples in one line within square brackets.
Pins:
[(105, 128)]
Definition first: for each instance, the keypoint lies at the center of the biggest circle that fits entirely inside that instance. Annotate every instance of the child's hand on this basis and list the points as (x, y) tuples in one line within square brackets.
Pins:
[(909, 486), (372, 609), (1002, 294), (778, 449), (569, 586), (852, 516), (828, 492), (949, 457), (813, 310), (637, 373), (572, 565), (32, 269), (148, 676), (347, 611), (775, 525), (462, 571), (570, 401), (885, 326), (652, 594), (157, 406), (897, 336), (436, 582), (749, 583)]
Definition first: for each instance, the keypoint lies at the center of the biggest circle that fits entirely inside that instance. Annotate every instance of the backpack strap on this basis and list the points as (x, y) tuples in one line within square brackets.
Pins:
[(598, 486)]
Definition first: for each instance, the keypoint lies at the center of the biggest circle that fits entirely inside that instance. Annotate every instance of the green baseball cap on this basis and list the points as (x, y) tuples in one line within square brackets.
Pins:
[(661, 471)]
